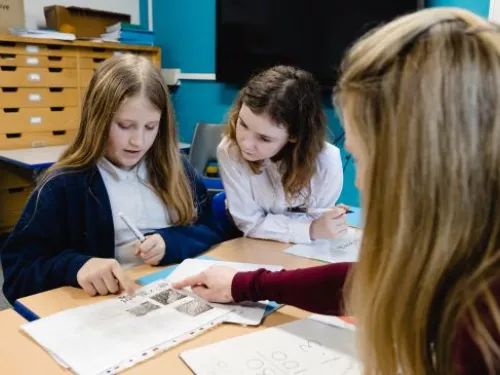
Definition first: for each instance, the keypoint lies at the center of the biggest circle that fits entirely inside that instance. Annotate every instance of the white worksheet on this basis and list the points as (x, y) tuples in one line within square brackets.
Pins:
[(302, 347)]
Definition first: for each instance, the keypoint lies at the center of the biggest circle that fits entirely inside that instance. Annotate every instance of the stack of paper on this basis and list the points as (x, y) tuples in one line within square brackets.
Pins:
[(45, 34)]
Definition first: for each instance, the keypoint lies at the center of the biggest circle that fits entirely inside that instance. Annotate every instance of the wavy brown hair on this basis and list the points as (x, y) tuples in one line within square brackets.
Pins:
[(291, 97), (117, 79), (421, 94)]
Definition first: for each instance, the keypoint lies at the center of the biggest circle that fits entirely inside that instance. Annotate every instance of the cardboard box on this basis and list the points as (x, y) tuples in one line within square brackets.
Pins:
[(83, 22), (11, 15)]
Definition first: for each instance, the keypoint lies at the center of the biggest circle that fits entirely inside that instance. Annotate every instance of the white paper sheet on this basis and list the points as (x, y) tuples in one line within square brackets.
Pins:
[(333, 321), (247, 313), (343, 249), (302, 347), (99, 337)]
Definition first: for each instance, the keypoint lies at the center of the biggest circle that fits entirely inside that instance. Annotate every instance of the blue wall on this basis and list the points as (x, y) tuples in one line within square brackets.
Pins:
[(186, 32)]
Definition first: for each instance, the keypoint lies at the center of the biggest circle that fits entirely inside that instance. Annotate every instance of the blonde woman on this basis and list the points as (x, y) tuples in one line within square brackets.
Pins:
[(124, 159), (419, 99)]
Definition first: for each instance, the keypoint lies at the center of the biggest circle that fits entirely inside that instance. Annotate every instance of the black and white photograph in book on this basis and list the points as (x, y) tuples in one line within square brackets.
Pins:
[(167, 297), (143, 309), (194, 308)]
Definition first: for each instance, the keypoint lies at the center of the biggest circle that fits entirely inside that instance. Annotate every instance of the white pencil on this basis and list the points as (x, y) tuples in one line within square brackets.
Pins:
[(132, 227)]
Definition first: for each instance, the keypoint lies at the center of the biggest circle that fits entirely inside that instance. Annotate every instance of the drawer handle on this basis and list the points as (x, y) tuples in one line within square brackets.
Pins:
[(55, 58), (9, 89), (55, 89), (34, 77), (32, 60), (35, 120), (11, 110), (55, 70), (8, 68), (98, 49), (59, 132), (13, 135), (7, 56), (15, 190), (56, 109), (98, 60)]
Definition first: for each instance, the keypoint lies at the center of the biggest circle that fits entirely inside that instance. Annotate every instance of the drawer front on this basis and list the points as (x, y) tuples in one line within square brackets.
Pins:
[(12, 176), (30, 120), (23, 48), (38, 77), (85, 77), (97, 52), (41, 139), (13, 202), (38, 61), (90, 62), (38, 97)]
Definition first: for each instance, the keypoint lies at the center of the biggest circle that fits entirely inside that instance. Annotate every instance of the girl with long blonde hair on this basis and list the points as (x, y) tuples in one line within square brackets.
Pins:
[(275, 162), (419, 99), (124, 161)]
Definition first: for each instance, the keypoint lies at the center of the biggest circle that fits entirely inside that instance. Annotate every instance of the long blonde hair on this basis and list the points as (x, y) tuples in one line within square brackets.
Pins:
[(117, 79), (422, 94), (289, 96)]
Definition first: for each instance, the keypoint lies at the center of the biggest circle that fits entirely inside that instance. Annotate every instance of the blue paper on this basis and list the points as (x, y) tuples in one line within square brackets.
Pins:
[(355, 219), (148, 279)]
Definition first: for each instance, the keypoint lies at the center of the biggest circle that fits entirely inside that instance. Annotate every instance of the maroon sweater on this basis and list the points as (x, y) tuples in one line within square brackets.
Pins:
[(319, 289)]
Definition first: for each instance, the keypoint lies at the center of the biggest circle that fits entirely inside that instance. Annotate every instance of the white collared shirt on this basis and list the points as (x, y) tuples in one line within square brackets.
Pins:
[(129, 192), (257, 202)]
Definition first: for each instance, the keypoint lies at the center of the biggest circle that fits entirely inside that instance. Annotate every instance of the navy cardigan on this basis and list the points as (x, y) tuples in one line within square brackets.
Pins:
[(69, 221)]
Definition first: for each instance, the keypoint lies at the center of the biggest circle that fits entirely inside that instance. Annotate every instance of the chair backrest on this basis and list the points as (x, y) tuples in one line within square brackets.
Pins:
[(204, 145), (219, 210)]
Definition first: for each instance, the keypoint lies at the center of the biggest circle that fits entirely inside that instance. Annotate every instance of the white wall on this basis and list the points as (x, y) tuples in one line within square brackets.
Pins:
[(35, 17), (494, 11)]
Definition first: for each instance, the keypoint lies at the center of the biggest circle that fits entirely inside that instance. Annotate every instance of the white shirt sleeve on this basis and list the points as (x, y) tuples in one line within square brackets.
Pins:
[(330, 178), (251, 218)]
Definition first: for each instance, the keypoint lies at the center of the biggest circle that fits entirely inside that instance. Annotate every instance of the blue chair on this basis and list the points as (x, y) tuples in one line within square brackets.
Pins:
[(220, 213)]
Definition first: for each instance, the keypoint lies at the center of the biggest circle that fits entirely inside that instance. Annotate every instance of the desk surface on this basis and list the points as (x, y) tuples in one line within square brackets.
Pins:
[(41, 157), (18, 353), (239, 250)]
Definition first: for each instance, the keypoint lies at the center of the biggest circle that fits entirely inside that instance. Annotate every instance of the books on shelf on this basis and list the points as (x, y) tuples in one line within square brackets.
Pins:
[(129, 33)]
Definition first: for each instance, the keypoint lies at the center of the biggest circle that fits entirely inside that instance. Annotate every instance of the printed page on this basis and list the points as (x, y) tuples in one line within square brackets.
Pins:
[(95, 338), (248, 313), (302, 347), (343, 249)]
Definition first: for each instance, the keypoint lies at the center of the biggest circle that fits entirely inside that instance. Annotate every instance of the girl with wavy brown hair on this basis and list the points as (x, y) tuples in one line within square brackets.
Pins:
[(274, 160)]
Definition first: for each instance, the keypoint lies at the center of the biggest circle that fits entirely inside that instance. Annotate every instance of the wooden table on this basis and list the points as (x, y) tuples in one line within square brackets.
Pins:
[(18, 353), (238, 250)]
